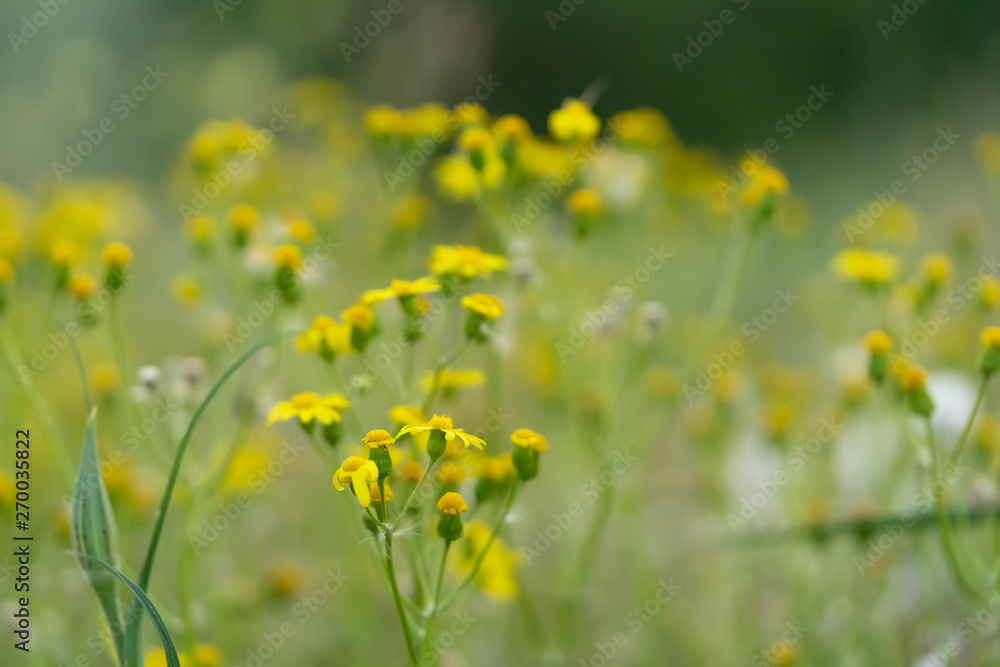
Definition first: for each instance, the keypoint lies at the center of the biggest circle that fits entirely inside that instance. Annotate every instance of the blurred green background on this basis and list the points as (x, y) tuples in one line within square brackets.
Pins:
[(226, 60)]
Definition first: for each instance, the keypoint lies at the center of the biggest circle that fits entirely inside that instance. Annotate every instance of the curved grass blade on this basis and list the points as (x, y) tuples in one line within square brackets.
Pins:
[(94, 534), (168, 643), (132, 638)]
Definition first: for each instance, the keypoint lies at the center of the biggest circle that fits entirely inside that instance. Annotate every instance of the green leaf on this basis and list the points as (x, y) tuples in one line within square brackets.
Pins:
[(93, 530), (168, 643)]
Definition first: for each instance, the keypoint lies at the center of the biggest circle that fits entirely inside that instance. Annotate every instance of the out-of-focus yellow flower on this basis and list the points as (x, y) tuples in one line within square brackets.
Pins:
[(82, 286), (411, 210), (325, 336), (486, 305), (199, 228), (244, 218), (470, 113), (937, 268), (406, 414), (158, 658), (476, 139), (457, 178), (411, 471), (64, 254), (359, 474), (878, 343), (644, 126), (496, 572), (400, 288), (376, 495), (585, 201), (542, 158), (511, 128), (301, 231), (987, 146), (465, 261), (206, 655), (105, 378), (116, 255), (6, 271), (574, 122), (325, 205), (912, 377), (308, 406), (763, 181), (359, 316), (865, 266), (288, 256), (450, 380), (285, 578), (991, 337), (989, 293), (383, 121), (495, 468), (429, 119), (186, 290), (445, 425), (527, 438), (246, 464), (451, 473)]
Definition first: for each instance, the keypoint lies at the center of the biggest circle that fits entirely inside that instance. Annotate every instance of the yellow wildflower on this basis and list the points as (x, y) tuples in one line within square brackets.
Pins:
[(489, 307), (465, 261), (867, 267), (452, 503), (359, 474), (400, 288), (444, 425), (527, 438), (308, 406), (574, 121)]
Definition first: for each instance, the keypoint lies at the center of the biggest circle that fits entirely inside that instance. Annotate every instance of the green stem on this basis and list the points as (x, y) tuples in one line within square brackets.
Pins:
[(398, 599), (469, 578), (413, 494), (964, 438), (444, 363), (437, 594)]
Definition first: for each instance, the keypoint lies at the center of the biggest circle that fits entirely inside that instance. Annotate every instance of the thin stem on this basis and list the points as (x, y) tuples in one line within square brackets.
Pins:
[(469, 578), (437, 593), (398, 599), (964, 438), (413, 494), (444, 363)]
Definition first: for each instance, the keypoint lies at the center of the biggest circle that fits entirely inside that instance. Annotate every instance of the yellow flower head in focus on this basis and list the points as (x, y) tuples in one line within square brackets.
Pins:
[(400, 288), (116, 255), (452, 503), (585, 201), (308, 406), (486, 305), (377, 439), (359, 474), (444, 424), (524, 437), (466, 262), (574, 122), (867, 267)]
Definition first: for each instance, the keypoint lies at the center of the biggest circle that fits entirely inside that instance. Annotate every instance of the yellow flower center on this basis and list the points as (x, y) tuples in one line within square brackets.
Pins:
[(441, 423), (452, 503), (351, 464), (304, 401), (377, 438)]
